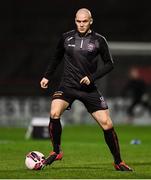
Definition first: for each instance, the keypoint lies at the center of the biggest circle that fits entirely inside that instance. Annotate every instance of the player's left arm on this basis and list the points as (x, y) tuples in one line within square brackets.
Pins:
[(85, 80), (107, 59)]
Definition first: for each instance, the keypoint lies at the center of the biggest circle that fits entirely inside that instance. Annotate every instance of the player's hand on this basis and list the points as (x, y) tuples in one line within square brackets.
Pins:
[(85, 80), (44, 83)]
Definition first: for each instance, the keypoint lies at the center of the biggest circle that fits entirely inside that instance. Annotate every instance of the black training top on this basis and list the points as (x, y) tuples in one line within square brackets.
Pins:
[(79, 54)]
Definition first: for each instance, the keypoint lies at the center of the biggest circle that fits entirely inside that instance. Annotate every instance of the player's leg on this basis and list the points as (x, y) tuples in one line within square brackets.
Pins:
[(103, 119), (98, 108), (58, 106)]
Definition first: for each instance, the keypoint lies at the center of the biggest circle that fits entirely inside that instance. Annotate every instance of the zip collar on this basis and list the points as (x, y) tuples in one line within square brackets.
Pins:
[(86, 34)]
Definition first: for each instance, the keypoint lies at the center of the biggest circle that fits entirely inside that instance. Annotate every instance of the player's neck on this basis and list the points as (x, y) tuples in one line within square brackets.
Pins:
[(86, 33)]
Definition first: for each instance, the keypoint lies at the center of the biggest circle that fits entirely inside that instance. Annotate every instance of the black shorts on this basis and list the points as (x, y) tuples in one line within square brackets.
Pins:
[(93, 100)]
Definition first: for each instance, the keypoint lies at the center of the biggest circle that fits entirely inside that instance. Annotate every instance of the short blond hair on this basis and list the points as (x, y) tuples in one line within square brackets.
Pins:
[(85, 10)]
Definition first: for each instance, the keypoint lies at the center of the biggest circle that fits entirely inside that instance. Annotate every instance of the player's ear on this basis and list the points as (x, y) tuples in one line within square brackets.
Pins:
[(91, 21), (75, 20)]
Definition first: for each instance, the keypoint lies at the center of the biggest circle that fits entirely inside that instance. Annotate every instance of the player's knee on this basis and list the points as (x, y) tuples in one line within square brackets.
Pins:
[(107, 123), (54, 114)]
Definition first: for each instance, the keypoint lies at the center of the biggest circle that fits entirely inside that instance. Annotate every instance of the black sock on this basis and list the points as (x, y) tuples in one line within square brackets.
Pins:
[(55, 130), (112, 142)]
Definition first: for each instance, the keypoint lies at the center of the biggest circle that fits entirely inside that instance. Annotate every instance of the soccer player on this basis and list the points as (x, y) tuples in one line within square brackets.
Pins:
[(137, 90), (79, 49)]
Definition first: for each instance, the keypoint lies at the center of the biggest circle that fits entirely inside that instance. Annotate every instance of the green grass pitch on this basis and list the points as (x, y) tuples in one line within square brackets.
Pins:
[(86, 155)]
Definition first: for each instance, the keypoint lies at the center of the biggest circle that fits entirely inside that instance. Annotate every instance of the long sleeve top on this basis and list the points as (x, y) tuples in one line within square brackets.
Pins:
[(80, 58)]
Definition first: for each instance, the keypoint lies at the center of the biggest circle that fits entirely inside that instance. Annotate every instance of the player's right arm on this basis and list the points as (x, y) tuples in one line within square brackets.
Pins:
[(58, 56), (44, 83)]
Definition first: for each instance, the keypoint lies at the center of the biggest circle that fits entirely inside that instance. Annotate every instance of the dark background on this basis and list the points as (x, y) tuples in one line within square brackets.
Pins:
[(29, 31)]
